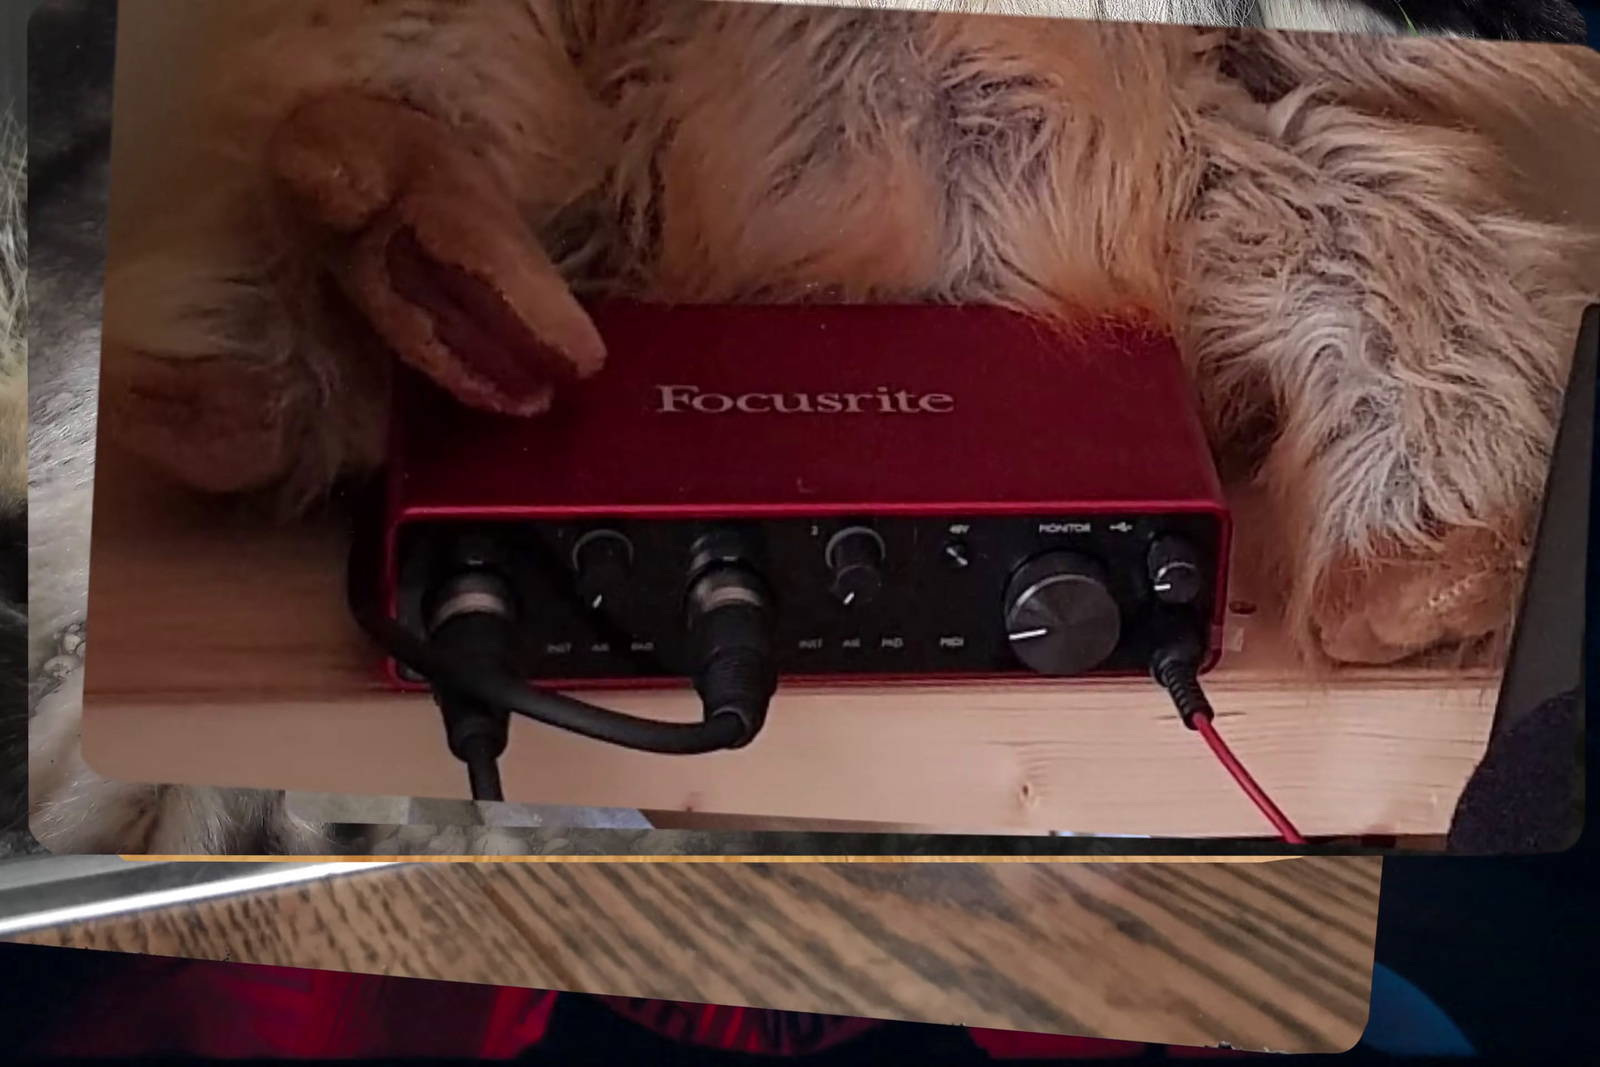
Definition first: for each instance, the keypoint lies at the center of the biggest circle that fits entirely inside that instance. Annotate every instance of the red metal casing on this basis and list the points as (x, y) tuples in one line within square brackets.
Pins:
[(1009, 416)]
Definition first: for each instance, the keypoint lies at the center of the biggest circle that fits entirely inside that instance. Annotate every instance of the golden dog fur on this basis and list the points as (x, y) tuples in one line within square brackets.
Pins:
[(1377, 313)]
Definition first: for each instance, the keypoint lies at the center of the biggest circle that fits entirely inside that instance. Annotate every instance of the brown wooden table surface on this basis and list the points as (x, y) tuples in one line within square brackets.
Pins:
[(1275, 955)]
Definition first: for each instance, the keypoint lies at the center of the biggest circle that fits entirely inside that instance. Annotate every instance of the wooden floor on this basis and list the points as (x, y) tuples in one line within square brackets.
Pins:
[(1270, 955)]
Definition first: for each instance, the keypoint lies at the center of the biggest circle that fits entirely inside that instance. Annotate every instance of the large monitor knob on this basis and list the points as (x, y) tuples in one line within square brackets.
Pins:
[(1060, 616)]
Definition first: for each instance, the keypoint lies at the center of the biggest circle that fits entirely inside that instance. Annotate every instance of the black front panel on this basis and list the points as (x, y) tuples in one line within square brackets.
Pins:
[(940, 609)]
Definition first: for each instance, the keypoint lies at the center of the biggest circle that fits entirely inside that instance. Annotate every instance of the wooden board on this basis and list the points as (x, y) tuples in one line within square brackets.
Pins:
[(221, 654), (1263, 956)]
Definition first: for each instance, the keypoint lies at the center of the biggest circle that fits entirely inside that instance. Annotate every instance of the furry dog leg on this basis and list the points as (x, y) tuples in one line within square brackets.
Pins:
[(382, 203), (1361, 279), (217, 372), (345, 191), (433, 251)]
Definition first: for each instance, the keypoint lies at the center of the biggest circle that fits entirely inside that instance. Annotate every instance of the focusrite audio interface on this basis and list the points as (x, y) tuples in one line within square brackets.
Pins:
[(910, 493)]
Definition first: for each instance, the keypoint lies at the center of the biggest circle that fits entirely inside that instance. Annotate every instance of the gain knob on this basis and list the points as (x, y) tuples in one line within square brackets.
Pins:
[(855, 556), (1174, 571), (1061, 618), (603, 560)]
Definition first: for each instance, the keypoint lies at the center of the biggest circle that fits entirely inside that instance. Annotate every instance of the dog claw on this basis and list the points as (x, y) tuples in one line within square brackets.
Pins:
[(490, 349)]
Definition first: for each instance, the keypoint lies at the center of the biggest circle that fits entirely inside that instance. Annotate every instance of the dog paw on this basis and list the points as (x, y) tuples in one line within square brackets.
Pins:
[(70, 648), (1389, 606), (433, 252)]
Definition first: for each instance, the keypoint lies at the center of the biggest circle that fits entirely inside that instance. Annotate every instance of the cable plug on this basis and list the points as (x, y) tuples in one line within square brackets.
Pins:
[(1175, 666), (473, 625), (731, 648)]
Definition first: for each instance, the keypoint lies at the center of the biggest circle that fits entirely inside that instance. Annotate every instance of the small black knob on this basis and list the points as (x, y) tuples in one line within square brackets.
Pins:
[(855, 555), (1060, 616), (1176, 576), (603, 560)]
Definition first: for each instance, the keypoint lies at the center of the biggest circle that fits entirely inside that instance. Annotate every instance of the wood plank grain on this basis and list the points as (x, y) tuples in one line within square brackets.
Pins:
[(1275, 955)]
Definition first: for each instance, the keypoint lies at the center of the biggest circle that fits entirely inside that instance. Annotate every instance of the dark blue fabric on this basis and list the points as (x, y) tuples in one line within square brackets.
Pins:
[(1403, 1021)]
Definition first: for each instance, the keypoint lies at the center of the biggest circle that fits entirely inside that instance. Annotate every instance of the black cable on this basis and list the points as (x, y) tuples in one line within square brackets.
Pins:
[(483, 774), (469, 663), (500, 689)]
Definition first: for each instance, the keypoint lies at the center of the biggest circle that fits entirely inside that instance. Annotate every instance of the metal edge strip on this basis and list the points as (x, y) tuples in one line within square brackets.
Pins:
[(289, 874)]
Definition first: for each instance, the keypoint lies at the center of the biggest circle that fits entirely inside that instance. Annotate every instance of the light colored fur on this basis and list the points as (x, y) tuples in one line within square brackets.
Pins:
[(1373, 305), (13, 321), (1320, 15), (1370, 279), (1304, 289), (1324, 17)]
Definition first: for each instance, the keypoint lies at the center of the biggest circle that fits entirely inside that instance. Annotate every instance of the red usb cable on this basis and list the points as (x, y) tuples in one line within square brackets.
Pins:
[(1176, 669), (1280, 822)]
